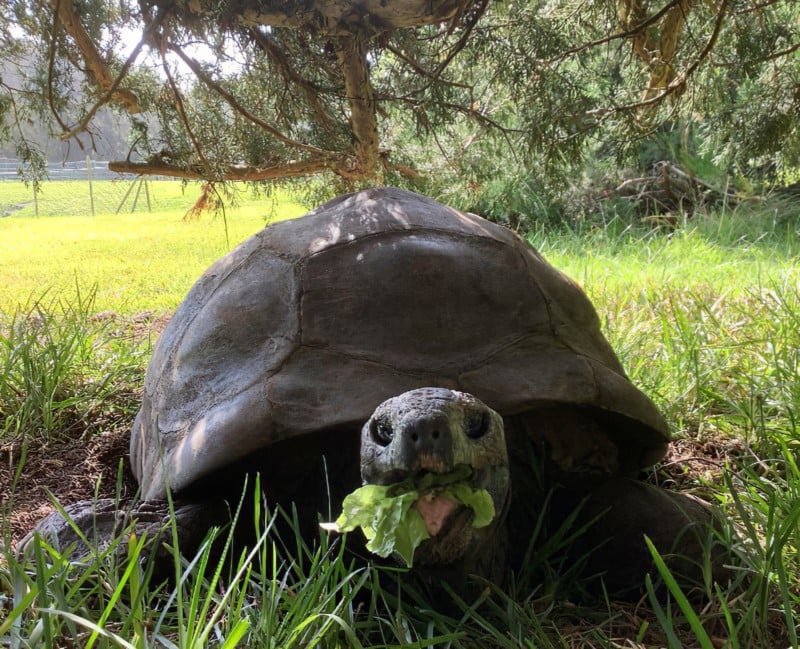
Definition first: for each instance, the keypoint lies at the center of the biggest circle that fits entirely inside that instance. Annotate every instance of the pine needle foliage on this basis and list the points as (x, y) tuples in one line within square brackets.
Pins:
[(450, 97)]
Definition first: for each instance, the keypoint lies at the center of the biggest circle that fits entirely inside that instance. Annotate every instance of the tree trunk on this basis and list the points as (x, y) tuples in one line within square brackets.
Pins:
[(358, 88)]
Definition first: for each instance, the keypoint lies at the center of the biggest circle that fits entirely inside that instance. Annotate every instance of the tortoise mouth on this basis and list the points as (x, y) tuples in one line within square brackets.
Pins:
[(429, 477), (459, 507), (441, 513), (453, 538), (435, 510)]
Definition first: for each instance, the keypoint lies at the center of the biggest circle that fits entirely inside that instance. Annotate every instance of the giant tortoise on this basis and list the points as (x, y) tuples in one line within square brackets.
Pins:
[(382, 336)]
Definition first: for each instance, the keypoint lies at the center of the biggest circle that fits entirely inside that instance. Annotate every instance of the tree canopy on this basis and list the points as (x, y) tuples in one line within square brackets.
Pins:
[(401, 89)]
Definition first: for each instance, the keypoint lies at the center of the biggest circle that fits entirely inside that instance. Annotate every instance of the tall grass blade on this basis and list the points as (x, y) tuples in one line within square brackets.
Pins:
[(135, 547), (683, 603), (236, 634), (664, 617), (96, 629), (732, 627)]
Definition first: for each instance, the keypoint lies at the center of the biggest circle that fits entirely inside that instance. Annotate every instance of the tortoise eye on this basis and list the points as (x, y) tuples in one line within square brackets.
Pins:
[(477, 425), (382, 431)]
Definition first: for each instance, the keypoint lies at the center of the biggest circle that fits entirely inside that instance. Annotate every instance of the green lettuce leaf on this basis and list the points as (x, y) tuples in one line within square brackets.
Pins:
[(390, 524), (389, 520), (478, 500)]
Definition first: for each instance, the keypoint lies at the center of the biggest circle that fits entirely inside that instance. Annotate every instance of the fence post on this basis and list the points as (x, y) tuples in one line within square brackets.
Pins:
[(147, 195), (89, 176)]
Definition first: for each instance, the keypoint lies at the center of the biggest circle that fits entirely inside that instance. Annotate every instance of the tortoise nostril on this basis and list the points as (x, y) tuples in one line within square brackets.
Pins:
[(435, 433), (414, 437)]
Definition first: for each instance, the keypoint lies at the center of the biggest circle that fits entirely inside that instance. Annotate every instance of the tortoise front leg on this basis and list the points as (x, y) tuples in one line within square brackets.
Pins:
[(90, 526)]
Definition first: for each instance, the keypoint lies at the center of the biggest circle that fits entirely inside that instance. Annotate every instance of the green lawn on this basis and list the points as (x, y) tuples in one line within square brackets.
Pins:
[(725, 253), (138, 262), (704, 319), (74, 197)]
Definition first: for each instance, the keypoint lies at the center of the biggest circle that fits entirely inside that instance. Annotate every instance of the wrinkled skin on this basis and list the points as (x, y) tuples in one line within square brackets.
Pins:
[(436, 430)]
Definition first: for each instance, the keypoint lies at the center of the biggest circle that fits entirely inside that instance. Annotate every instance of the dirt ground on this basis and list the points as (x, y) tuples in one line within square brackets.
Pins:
[(68, 470), (73, 468)]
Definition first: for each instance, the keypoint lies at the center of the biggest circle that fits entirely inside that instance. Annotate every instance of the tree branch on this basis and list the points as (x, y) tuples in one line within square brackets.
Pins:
[(179, 105), (480, 8), (772, 56), (758, 6), (421, 71), (198, 71), (623, 35), (107, 96), (679, 81), (662, 72), (291, 75), (94, 61), (235, 172), (51, 64), (335, 17)]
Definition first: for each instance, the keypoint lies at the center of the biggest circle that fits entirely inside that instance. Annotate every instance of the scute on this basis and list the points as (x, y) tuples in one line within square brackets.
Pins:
[(429, 302), (311, 323)]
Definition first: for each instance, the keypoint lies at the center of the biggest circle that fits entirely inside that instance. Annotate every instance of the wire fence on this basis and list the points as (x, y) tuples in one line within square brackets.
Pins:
[(74, 170), (88, 188)]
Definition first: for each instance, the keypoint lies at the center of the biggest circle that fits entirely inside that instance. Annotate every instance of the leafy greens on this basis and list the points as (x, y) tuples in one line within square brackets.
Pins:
[(392, 524)]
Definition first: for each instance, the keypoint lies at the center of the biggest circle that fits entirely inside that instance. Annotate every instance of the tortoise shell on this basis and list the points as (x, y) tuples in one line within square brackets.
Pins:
[(311, 323)]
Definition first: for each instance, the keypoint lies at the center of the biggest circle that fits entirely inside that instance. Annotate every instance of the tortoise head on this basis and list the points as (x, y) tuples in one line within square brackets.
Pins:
[(441, 432)]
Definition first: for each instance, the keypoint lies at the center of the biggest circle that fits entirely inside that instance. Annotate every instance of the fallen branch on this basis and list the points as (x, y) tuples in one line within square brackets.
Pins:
[(669, 188), (669, 168)]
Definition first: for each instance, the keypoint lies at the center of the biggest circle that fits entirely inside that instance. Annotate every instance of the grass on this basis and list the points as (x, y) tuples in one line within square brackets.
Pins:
[(705, 319), (65, 372), (137, 262), (74, 198)]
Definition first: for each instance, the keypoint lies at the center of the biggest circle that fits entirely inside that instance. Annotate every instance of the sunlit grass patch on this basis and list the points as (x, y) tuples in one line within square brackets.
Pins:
[(638, 263), (138, 262), (63, 369), (121, 196)]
